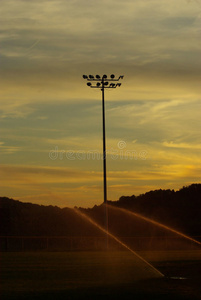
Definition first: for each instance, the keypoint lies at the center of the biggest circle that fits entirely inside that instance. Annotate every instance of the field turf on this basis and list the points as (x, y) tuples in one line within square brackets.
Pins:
[(99, 275)]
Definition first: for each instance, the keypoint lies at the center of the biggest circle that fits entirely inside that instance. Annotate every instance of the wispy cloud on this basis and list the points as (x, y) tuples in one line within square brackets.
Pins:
[(182, 145), (46, 46), (60, 186), (37, 174), (5, 149)]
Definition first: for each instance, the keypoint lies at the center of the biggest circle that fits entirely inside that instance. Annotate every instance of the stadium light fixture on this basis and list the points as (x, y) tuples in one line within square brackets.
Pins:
[(103, 83)]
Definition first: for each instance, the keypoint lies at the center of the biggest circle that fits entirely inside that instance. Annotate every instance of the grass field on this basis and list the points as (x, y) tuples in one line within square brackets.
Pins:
[(99, 275)]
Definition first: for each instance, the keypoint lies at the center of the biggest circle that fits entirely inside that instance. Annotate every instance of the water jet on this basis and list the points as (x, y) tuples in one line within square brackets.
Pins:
[(149, 220), (153, 272)]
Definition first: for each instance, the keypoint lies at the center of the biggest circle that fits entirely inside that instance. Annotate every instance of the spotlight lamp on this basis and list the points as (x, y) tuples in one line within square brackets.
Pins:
[(103, 81), (112, 85)]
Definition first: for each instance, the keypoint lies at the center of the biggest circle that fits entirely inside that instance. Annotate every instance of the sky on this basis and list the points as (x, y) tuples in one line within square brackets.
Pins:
[(51, 122)]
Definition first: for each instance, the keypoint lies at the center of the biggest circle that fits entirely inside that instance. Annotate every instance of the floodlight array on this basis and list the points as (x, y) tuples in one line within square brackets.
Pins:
[(103, 82)]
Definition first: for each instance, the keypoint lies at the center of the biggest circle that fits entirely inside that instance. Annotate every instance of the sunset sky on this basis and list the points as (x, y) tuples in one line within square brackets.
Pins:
[(51, 122)]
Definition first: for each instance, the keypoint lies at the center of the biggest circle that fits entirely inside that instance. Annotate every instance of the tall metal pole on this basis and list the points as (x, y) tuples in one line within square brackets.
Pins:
[(104, 144), (102, 83), (104, 164)]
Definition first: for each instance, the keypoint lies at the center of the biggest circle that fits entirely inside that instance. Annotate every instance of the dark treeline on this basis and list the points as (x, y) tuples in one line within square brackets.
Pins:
[(26, 219), (179, 209)]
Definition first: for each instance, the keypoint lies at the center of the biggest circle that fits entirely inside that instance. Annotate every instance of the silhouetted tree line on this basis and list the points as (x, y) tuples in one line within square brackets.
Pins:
[(26, 219), (179, 209)]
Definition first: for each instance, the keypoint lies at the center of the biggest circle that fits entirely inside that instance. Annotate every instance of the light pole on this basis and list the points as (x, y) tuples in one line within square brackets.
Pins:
[(103, 83)]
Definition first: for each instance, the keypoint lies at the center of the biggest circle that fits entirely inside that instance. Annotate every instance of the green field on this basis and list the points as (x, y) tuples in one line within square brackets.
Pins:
[(99, 275)]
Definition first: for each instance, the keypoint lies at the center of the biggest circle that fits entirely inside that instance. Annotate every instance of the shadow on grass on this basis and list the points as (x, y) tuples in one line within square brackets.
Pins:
[(156, 289), (73, 276)]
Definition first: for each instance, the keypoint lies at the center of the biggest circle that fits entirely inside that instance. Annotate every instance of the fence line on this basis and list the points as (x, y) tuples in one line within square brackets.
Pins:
[(85, 243)]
